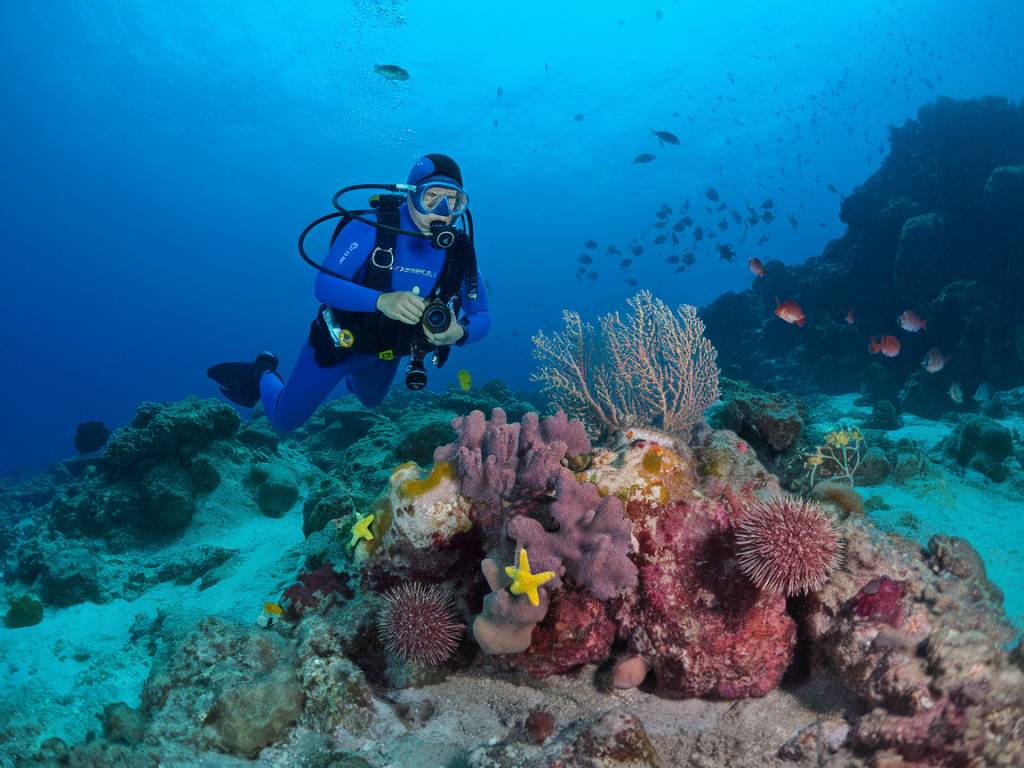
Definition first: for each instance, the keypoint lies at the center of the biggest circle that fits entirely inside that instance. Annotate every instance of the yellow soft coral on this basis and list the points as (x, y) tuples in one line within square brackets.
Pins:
[(417, 487)]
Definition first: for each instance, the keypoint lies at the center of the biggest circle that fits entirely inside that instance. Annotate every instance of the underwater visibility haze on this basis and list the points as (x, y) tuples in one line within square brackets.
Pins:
[(485, 385)]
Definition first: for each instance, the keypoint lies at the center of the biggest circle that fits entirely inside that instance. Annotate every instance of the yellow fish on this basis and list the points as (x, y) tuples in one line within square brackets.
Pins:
[(273, 609), (465, 380)]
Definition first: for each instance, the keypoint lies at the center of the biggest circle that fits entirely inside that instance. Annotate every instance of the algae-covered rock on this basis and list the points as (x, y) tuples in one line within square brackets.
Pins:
[(277, 488), (162, 431), (252, 715), (981, 444), (25, 611), (168, 501), (771, 422), (69, 576)]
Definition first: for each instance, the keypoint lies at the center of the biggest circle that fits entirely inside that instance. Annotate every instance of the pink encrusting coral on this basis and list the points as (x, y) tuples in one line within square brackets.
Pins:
[(788, 545), (418, 623), (881, 600), (703, 628)]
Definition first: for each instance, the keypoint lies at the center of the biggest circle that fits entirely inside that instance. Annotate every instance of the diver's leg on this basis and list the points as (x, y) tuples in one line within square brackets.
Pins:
[(372, 380), (289, 405)]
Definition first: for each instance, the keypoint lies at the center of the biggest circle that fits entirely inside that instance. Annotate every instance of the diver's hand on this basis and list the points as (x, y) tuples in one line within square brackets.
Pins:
[(401, 305), (449, 335)]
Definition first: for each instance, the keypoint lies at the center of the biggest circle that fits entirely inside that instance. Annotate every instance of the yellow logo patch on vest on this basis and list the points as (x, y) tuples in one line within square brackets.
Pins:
[(387, 354), (345, 338)]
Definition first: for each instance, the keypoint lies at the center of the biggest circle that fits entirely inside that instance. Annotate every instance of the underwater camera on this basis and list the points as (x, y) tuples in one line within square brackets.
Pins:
[(437, 316)]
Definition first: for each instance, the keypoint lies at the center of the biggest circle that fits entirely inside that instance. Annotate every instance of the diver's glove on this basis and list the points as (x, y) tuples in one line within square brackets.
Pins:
[(404, 306), (450, 335)]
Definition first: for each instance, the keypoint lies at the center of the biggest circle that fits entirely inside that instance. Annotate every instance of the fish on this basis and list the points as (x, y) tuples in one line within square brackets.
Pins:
[(673, 259), (644, 157), (660, 239), (636, 249), (675, 239), (889, 346), (934, 361), (956, 394), (633, 281), (850, 317), (577, 117), (983, 393), (465, 380), (591, 244), (500, 91), (665, 136), (625, 263), (726, 252), (756, 267), (580, 272), (769, 203), (658, 14), (794, 222), (593, 276), (790, 311), (767, 217), (659, 225), (391, 71), (611, 249), (764, 239), (273, 609), (698, 233), (584, 259), (712, 194), (723, 225), (911, 322), (662, 214), (832, 188), (689, 259)]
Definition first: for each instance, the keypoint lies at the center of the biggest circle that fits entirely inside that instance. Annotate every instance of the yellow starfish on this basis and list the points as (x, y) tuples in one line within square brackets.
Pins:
[(361, 530), (524, 582)]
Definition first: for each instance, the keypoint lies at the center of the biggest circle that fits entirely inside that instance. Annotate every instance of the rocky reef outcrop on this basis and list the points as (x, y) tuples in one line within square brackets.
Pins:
[(936, 230)]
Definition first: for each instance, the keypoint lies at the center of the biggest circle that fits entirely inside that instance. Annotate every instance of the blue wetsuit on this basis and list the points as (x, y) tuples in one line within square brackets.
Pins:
[(416, 268)]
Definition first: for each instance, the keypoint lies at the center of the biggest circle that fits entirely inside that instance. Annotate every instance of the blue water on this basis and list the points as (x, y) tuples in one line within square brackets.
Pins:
[(160, 160)]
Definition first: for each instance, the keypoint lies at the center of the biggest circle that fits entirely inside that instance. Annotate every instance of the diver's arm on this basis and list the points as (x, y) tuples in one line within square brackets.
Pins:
[(348, 254), (476, 315)]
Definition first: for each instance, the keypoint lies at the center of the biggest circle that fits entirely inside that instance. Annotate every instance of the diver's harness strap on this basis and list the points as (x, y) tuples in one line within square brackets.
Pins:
[(336, 333)]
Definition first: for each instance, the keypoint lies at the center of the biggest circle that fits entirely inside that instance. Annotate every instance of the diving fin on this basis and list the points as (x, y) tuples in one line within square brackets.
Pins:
[(240, 382)]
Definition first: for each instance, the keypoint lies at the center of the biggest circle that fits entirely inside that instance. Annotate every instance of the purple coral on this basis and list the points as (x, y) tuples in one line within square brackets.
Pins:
[(590, 546), (419, 624), (494, 458)]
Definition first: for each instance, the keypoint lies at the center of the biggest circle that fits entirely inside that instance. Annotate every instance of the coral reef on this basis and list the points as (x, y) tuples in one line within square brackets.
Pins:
[(934, 218)]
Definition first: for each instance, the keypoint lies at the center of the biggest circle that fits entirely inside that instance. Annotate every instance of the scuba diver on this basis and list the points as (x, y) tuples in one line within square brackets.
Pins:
[(403, 283)]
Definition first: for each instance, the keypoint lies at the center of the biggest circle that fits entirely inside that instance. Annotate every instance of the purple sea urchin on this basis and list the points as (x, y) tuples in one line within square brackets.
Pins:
[(788, 545), (418, 623)]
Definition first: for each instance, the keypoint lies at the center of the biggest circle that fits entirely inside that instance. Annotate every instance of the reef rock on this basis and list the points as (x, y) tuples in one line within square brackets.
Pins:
[(981, 444)]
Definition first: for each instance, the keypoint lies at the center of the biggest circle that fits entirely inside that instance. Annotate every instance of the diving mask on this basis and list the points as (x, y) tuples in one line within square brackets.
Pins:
[(439, 198)]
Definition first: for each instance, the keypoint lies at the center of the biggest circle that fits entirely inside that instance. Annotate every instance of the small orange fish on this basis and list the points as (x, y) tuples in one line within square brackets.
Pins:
[(911, 322), (273, 609), (790, 311), (934, 361), (887, 345), (850, 317), (756, 267)]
